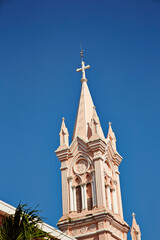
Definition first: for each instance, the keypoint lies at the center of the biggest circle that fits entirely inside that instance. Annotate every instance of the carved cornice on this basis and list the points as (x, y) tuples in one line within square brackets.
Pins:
[(95, 218), (117, 159), (62, 154), (97, 145), (79, 145), (114, 155)]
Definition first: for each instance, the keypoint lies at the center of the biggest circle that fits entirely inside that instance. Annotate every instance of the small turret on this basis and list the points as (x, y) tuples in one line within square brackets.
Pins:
[(135, 230), (64, 135), (111, 136)]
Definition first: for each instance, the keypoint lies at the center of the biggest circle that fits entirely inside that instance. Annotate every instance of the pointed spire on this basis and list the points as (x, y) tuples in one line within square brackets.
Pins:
[(86, 110), (135, 230), (111, 136), (64, 135)]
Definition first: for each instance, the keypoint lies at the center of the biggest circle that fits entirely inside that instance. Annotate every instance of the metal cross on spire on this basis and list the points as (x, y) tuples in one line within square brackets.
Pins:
[(83, 68)]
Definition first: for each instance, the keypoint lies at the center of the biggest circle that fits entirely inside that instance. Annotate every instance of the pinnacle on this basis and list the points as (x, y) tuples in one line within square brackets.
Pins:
[(111, 136), (63, 126)]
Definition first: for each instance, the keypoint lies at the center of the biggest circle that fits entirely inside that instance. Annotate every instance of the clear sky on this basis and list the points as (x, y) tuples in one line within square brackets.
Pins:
[(39, 53)]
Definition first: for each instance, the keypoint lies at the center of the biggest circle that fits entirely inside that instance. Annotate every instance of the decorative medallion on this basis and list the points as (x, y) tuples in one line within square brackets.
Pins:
[(83, 230), (81, 166), (74, 231), (92, 227), (100, 224)]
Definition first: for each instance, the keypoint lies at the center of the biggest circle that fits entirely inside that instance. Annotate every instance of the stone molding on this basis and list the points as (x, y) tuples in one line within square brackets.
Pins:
[(95, 218)]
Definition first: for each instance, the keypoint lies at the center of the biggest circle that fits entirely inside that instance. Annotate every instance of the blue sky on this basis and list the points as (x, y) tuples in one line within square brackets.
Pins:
[(39, 53)]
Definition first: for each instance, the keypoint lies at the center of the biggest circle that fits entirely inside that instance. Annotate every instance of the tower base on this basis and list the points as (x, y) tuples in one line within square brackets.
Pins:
[(94, 226)]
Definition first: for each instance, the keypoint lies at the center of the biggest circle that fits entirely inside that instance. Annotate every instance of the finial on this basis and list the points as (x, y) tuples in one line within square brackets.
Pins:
[(81, 55), (83, 68), (63, 118), (133, 215), (109, 123), (81, 52)]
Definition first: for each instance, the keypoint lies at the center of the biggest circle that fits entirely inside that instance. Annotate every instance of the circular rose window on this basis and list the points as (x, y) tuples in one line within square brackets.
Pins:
[(81, 166)]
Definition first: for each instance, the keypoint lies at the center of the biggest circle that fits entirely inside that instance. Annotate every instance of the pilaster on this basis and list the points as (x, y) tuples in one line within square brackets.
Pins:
[(115, 203), (109, 197), (97, 146), (118, 191), (71, 195), (62, 153)]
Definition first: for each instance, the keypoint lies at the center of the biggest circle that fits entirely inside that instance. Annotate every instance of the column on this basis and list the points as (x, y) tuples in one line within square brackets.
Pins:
[(94, 191), (82, 194), (93, 200), (74, 199), (85, 196), (106, 194), (71, 195), (115, 206), (109, 197)]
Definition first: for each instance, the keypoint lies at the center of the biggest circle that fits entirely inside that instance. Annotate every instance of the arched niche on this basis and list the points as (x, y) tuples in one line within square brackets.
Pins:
[(77, 181)]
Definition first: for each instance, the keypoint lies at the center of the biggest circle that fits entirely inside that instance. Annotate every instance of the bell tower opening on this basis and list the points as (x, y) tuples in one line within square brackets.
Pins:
[(78, 199), (89, 196)]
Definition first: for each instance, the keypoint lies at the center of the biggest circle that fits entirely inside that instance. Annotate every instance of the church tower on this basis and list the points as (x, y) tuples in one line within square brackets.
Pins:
[(91, 194)]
